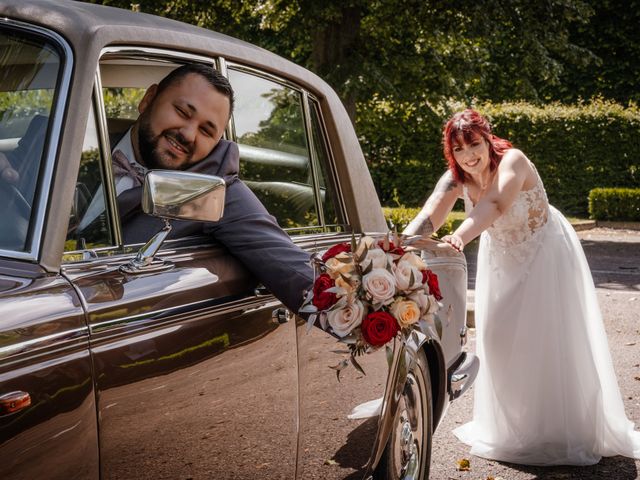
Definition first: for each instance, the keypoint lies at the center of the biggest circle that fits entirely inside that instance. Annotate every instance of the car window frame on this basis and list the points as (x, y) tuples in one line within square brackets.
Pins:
[(33, 245), (119, 247), (306, 98)]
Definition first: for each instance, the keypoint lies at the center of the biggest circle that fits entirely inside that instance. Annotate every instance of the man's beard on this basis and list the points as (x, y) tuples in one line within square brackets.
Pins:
[(148, 147)]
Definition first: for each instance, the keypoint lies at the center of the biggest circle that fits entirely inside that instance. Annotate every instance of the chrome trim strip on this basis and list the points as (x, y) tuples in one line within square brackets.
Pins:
[(313, 159), (230, 130), (105, 149), (156, 54), (331, 166), (36, 343), (262, 74), (238, 305), (55, 126)]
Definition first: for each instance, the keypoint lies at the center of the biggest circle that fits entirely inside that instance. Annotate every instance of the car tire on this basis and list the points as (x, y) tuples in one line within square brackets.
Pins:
[(408, 450)]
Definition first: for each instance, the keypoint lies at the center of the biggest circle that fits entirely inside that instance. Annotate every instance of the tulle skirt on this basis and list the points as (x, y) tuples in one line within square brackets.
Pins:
[(546, 393)]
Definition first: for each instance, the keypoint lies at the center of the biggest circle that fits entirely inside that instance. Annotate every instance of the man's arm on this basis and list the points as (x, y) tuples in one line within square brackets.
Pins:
[(254, 237)]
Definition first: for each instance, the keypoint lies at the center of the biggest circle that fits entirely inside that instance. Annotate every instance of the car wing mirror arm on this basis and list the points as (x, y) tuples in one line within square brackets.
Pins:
[(146, 254), (179, 195)]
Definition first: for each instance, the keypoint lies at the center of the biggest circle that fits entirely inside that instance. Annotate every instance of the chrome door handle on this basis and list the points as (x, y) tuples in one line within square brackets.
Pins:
[(13, 402), (281, 315)]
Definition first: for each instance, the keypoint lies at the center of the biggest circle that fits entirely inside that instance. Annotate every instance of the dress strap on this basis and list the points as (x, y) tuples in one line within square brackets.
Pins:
[(468, 204)]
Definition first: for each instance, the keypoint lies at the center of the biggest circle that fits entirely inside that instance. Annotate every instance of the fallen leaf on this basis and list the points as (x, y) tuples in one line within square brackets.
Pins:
[(464, 465), (330, 462), (630, 344)]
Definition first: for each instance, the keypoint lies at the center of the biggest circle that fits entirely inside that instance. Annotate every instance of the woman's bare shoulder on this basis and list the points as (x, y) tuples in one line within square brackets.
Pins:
[(515, 160)]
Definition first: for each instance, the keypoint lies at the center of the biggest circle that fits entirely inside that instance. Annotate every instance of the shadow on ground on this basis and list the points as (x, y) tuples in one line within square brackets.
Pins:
[(609, 468)]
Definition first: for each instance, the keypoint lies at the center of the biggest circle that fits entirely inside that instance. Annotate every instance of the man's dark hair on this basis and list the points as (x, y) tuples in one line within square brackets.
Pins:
[(210, 74)]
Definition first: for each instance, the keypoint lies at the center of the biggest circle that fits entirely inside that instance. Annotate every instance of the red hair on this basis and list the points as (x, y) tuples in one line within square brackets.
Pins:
[(464, 127)]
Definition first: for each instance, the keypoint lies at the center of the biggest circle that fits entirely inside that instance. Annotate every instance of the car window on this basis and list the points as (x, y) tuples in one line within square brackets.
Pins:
[(89, 223), (274, 152), (29, 68)]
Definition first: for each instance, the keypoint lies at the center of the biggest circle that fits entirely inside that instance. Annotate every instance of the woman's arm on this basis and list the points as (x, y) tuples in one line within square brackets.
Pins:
[(511, 175), (436, 208)]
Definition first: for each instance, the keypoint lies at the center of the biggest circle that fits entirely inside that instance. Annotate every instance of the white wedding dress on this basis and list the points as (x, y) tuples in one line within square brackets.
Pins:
[(546, 393)]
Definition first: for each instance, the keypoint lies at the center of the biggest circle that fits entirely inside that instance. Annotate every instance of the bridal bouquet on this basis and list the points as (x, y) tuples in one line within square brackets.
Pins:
[(370, 291)]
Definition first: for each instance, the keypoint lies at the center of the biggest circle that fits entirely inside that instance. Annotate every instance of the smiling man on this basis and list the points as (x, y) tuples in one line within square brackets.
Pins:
[(180, 127)]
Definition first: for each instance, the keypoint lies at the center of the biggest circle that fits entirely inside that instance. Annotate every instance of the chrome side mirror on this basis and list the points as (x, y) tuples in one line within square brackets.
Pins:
[(183, 195), (170, 194)]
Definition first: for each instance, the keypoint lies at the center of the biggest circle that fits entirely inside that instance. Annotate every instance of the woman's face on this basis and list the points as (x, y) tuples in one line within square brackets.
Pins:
[(472, 157)]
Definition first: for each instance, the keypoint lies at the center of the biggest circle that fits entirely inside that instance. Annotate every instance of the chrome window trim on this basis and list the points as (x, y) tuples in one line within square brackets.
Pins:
[(144, 53), (307, 95), (100, 115), (262, 74), (313, 158), (332, 164), (38, 209)]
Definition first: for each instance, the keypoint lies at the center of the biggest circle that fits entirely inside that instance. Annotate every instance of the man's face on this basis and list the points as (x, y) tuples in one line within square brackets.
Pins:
[(181, 125)]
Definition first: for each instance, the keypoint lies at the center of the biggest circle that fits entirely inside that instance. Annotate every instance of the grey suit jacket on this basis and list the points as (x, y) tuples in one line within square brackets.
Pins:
[(246, 229)]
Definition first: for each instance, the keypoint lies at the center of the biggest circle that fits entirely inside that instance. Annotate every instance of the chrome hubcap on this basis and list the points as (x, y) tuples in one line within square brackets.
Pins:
[(409, 430)]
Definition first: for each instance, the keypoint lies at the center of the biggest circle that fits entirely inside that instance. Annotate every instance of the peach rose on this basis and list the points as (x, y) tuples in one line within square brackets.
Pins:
[(407, 312)]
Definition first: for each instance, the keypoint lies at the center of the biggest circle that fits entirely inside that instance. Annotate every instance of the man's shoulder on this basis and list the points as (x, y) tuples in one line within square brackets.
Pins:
[(224, 161)]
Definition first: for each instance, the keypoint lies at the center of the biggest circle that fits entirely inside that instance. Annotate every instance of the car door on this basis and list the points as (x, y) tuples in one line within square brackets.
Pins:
[(287, 159), (194, 378), (47, 404)]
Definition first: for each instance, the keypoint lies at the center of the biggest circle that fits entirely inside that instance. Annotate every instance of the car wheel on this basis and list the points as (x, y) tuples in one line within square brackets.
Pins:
[(408, 451)]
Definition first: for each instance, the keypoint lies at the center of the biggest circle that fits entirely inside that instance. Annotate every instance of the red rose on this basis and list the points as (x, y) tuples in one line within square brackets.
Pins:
[(335, 250), (392, 248), (378, 328), (321, 298), (434, 287)]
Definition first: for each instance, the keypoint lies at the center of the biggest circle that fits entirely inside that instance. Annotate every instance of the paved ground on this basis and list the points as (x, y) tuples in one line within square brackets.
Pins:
[(614, 258)]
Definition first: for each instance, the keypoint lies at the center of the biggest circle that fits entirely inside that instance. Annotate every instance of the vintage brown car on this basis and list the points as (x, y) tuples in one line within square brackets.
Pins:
[(186, 367)]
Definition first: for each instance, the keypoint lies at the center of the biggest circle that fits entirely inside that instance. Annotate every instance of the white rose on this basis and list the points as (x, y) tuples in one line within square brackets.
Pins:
[(380, 284), (341, 264), (414, 260), (403, 273), (376, 257), (407, 312), (344, 320), (422, 299)]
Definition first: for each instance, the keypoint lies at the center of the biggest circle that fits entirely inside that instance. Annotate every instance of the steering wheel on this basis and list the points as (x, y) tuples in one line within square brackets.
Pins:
[(15, 212)]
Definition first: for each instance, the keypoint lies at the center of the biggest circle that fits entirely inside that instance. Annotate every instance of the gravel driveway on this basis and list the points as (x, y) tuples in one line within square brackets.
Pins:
[(614, 258)]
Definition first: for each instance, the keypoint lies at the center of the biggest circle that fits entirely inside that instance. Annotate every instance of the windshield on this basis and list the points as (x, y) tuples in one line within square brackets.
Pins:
[(29, 67)]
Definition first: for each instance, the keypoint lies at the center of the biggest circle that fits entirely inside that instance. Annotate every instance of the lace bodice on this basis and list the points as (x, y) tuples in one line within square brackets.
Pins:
[(515, 232)]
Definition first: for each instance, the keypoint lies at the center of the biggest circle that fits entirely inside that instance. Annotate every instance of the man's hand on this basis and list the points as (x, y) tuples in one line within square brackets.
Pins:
[(455, 241), (7, 172)]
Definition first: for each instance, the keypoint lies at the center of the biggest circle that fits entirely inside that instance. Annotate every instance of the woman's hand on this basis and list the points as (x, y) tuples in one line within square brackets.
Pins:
[(455, 241)]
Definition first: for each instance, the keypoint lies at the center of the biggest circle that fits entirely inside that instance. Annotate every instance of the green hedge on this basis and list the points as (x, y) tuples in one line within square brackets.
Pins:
[(615, 204), (400, 217), (575, 147)]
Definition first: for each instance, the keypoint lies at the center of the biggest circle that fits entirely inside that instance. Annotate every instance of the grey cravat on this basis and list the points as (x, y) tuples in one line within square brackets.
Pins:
[(122, 167)]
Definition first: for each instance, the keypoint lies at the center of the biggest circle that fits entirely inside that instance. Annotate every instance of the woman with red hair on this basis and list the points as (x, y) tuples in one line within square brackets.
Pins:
[(546, 393)]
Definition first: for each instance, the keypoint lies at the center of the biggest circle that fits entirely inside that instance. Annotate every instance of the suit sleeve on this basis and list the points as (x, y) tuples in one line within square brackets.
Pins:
[(254, 237)]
